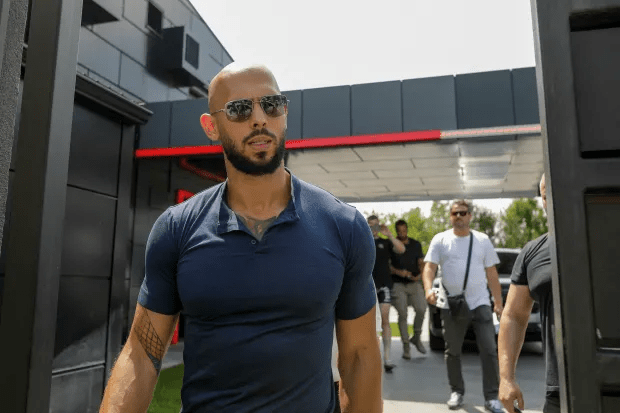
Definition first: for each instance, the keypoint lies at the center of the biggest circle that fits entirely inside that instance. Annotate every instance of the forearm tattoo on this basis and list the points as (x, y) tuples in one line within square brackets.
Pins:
[(257, 226), (151, 343)]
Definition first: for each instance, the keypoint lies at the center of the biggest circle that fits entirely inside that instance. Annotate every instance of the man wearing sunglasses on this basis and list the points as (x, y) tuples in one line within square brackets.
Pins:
[(263, 266), (461, 251)]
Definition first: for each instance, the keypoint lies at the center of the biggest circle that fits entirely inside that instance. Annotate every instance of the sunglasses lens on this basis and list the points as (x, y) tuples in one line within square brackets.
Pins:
[(274, 106), (239, 110)]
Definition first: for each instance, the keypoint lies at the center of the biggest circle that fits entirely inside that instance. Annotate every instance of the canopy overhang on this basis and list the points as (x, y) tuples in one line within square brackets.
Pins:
[(496, 162)]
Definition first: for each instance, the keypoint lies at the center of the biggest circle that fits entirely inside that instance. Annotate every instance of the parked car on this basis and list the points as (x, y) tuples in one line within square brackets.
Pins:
[(507, 257)]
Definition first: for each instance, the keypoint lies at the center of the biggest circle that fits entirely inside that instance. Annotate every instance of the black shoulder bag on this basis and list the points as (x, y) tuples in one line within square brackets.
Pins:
[(457, 303)]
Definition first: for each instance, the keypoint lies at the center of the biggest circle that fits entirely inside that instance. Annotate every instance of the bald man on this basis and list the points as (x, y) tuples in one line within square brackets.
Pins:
[(263, 266)]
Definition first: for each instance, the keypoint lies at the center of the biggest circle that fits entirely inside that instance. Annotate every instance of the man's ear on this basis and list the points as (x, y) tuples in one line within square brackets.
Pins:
[(209, 127)]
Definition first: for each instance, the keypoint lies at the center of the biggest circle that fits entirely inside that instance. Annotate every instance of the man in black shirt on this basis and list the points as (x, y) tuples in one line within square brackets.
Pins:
[(383, 281), (531, 281), (408, 289)]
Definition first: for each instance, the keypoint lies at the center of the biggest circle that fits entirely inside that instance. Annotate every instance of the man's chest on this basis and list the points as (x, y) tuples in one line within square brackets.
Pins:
[(235, 273)]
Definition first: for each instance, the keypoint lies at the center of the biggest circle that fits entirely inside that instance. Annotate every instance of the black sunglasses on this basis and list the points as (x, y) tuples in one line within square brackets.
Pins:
[(460, 213), (241, 110)]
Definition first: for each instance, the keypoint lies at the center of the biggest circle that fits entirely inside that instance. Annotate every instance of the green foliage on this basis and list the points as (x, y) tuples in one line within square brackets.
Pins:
[(167, 395), (522, 221), (485, 221)]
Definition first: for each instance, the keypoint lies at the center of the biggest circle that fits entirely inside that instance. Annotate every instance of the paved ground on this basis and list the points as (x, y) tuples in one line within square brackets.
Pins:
[(421, 384)]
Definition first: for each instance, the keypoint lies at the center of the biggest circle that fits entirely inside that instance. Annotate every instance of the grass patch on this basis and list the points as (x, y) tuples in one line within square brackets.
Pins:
[(396, 331), (167, 395)]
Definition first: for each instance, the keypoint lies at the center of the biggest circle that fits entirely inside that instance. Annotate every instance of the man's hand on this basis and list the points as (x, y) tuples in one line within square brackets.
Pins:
[(498, 308), (509, 392), (385, 230), (431, 297)]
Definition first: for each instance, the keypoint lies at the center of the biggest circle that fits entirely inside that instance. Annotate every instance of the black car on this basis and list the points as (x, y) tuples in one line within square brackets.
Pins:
[(507, 257)]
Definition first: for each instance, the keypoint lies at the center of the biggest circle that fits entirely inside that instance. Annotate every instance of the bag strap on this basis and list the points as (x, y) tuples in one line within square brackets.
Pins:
[(471, 243)]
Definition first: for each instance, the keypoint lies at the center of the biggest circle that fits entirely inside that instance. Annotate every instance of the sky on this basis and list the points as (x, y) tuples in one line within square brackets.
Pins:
[(319, 43)]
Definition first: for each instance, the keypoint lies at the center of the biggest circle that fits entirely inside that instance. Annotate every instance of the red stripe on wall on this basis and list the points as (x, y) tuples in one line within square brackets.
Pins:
[(379, 139)]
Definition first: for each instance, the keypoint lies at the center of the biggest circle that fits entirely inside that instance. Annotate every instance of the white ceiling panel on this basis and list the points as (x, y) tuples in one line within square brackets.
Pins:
[(531, 144), (486, 148), (526, 158), (366, 166), (436, 163), (425, 170), (317, 156)]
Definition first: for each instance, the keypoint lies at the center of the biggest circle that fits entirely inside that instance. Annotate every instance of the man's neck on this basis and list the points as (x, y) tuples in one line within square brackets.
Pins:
[(462, 232), (258, 196)]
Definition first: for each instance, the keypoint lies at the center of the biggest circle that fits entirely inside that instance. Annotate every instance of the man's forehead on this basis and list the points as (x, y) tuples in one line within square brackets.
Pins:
[(457, 207)]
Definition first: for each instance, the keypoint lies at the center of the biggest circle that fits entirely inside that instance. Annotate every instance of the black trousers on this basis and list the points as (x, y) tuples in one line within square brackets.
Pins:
[(337, 408)]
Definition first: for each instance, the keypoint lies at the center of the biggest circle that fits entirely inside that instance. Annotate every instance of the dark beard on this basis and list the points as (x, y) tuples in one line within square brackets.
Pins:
[(248, 166)]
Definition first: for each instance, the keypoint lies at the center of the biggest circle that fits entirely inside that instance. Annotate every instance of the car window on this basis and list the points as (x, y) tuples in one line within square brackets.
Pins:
[(506, 262)]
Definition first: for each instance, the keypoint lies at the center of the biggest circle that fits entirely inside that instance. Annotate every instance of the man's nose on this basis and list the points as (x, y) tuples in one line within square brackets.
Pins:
[(259, 118)]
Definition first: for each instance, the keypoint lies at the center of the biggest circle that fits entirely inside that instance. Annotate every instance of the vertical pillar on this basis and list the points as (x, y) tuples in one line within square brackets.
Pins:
[(577, 59), (28, 319)]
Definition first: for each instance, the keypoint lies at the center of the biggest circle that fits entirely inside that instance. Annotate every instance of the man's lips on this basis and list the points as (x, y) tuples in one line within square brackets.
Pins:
[(260, 143)]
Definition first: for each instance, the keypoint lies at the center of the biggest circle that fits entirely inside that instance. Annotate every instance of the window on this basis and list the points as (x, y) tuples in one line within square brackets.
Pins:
[(154, 18), (192, 50)]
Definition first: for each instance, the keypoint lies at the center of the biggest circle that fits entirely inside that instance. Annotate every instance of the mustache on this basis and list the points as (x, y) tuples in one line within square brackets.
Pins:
[(257, 132)]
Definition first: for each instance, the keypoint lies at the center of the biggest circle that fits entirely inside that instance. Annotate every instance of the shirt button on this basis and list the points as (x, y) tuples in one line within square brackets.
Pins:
[(253, 241)]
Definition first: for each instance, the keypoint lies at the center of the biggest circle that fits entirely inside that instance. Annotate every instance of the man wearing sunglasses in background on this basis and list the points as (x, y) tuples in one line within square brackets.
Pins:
[(262, 266), (450, 250)]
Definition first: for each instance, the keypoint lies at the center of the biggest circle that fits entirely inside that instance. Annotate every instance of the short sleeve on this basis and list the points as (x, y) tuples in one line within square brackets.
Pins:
[(519, 270), (159, 292), (357, 295), (490, 256), (434, 250)]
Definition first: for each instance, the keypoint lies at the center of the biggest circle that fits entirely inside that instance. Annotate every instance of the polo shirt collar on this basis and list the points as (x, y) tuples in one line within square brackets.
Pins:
[(227, 219)]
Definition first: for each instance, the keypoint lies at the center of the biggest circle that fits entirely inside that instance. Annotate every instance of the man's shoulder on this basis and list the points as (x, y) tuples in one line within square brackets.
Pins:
[(480, 236), (535, 245), (444, 235), (319, 200), (197, 204)]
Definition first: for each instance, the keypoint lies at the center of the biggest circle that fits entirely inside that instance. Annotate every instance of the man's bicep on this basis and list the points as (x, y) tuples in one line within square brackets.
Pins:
[(357, 333), (519, 302), (152, 332)]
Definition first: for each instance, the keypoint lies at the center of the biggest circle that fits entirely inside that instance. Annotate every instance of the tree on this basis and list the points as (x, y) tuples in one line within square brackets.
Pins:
[(485, 221), (522, 221), (438, 221)]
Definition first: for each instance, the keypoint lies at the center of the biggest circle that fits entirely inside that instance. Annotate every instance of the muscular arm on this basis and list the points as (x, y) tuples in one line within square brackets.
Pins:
[(359, 363), (133, 378), (511, 334), (496, 289)]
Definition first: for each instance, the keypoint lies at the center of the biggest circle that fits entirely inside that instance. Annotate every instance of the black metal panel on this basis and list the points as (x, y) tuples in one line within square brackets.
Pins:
[(125, 36), (376, 108), (82, 322), (429, 103), (327, 112), (185, 128), (121, 264), (77, 391), (596, 58), (156, 133), (101, 11), (525, 96), (88, 234), (95, 147), (99, 56), (294, 114), (484, 99), (603, 240), (611, 404)]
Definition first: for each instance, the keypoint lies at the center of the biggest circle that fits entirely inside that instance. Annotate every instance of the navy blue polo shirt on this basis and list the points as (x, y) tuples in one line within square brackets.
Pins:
[(260, 314)]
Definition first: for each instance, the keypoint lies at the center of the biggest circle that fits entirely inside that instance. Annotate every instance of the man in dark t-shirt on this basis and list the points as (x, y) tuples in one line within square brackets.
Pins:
[(408, 289), (382, 276), (531, 281)]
